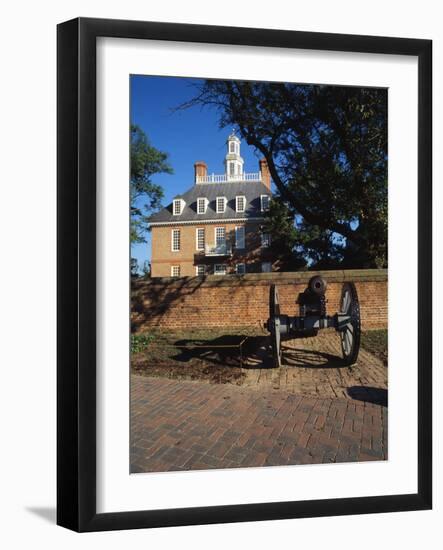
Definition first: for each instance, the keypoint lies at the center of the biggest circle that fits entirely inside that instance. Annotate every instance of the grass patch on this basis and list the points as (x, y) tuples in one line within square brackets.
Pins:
[(140, 342), (376, 342)]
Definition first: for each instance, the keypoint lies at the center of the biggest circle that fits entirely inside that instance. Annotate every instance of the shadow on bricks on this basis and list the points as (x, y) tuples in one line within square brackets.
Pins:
[(377, 396)]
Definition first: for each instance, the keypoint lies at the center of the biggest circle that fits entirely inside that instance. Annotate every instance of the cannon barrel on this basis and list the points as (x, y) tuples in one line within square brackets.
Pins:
[(317, 285)]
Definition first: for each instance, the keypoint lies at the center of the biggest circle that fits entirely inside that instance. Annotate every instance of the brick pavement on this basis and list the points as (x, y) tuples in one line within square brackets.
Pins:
[(181, 425), (312, 366)]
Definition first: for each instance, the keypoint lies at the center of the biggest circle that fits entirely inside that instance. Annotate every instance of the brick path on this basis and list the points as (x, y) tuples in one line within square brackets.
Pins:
[(312, 366), (180, 425)]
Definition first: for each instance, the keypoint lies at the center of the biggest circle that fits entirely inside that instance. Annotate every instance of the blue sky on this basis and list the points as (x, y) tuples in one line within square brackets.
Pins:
[(186, 135)]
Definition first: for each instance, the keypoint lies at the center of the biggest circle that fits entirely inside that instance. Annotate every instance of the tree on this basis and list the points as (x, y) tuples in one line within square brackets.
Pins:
[(286, 238), (146, 196), (134, 267), (326, 147), (298, 245), (146, 269)]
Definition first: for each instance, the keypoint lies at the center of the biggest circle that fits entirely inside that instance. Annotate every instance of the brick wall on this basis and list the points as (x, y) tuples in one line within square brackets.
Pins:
[(243, 300)]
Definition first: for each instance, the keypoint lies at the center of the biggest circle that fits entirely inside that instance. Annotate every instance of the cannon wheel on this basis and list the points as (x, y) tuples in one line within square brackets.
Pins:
[(350, 336), (274, 328)]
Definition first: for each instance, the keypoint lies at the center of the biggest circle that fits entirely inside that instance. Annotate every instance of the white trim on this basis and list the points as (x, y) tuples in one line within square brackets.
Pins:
[(205, 202), (172, 240), (172, 270), (236, 203), (182, 205), (199, 222), (116, 490), (225, 178), (261, 202), (197, 274), (197, 229)]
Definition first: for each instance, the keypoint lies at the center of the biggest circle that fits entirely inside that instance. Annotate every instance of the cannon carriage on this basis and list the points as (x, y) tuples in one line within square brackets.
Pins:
[(313, 317)]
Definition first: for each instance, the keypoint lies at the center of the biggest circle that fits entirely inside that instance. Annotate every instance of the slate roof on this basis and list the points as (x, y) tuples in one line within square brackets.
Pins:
[(251, 190)]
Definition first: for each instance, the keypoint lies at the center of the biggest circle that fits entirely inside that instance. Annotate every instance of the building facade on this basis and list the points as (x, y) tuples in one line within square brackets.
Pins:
[(215, 228)]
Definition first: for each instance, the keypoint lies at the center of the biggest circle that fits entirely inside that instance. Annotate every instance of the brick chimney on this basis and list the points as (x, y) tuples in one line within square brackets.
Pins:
[(200, 169), (265, 174)]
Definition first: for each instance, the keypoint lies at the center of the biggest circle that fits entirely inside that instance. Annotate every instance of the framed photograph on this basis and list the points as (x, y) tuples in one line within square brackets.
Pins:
[(244, 274)]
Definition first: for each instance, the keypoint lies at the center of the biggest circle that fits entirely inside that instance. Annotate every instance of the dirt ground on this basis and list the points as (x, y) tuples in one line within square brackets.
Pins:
[(215, 356)]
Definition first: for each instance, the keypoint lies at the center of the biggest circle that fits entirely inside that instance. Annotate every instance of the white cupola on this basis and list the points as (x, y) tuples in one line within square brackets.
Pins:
[(233, 160)]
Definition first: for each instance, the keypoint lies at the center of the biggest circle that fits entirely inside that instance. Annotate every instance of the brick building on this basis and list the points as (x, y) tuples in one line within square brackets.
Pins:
[(216, 226)]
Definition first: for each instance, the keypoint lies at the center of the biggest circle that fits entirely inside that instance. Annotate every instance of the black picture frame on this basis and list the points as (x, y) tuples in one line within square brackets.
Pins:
[(76, 295)]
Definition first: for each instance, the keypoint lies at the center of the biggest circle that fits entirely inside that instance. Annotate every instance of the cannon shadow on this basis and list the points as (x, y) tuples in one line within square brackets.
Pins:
[(223, 350), (312, 359)]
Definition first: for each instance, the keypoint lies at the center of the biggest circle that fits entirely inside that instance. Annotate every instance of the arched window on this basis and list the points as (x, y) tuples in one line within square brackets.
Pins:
[(231, 147)]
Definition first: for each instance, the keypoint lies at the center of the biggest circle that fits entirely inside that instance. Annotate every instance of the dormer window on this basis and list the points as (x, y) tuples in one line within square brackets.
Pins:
[(240, 203), (202, 203), (264, 199), (177, 206), (220, 205)]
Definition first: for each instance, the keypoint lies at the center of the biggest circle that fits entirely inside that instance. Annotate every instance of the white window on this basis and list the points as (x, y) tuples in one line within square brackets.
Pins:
[(201, 205), (200, 238), (264, 202), (177, 206), (240, 203), (240, 268), (231, 168), (175, 271), (220, 236), (231, 147), (266, 267), (200, 270), (175, 240), (220, 269), (265, 240), (220, 204), (240, 237)]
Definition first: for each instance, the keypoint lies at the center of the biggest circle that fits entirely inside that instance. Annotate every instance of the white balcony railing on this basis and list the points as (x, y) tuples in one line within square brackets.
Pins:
[(226, 178), (218, 250)]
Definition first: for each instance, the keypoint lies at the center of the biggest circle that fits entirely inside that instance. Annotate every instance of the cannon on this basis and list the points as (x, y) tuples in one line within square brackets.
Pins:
[(313, 317)]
